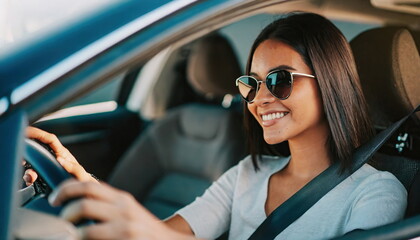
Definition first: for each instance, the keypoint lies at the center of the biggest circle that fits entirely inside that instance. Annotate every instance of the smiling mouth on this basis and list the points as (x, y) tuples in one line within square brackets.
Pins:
[(272, 116)]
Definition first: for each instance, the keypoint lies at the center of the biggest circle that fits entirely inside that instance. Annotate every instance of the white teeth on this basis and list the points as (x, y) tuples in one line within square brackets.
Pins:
[(272, 116)]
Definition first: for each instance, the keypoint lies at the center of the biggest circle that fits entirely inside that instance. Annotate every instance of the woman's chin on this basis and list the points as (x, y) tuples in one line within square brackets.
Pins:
[(271, 140)]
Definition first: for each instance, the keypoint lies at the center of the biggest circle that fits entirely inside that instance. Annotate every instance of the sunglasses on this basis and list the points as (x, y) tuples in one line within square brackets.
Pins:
[(279, 83)]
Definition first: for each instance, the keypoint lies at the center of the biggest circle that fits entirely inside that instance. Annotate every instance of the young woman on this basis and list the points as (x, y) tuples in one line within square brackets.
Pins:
[(302, 95)]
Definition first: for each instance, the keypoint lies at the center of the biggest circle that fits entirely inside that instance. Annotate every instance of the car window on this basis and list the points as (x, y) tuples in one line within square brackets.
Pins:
[(105, 93), (101, 99)]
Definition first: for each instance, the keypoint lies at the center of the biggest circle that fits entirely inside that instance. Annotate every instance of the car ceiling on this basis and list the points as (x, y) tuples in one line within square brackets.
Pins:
[(354, 10)]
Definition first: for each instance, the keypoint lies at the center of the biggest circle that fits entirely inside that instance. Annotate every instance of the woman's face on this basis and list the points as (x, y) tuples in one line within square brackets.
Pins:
[(303, 111)]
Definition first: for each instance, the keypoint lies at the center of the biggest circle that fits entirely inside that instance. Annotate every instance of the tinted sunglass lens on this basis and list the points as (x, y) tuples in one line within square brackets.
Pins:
[(247, 87), (279, 83)]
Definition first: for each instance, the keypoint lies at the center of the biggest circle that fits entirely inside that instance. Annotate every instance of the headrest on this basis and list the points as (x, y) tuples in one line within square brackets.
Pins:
[(389, 67), (213, 66)]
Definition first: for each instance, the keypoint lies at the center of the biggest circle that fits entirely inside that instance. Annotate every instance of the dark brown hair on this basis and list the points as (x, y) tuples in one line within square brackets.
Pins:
[(326, 51)]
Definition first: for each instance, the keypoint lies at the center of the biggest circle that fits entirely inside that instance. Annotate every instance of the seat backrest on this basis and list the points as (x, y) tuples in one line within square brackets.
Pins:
[(180, 155), (388, 63)]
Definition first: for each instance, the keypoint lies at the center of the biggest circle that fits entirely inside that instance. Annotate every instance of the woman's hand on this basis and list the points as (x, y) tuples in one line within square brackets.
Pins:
[(64, 157), (118, 214)]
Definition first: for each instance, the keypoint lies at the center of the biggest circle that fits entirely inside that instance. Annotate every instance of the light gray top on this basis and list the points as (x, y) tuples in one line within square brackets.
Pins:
[(235, 202)]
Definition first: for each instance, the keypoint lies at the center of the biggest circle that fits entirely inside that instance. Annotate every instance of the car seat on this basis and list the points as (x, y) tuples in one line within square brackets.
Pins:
[(182, 153), (388, 63)]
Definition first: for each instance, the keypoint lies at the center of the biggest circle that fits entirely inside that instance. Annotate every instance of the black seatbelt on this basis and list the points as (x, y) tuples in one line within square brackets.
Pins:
[(305, 198)]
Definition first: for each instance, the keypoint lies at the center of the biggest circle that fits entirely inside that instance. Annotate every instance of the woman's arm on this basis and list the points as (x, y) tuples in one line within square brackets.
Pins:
[(179, 224)]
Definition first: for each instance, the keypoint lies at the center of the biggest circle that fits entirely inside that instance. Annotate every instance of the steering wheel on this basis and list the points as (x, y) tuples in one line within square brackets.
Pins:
[(45, 164)]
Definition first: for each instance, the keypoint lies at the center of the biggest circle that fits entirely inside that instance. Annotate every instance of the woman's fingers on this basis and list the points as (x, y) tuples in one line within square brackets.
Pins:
[(29, 177), (73, 167), (80, 209), (118, 213), (118, 230), (74, 189), (63, 155), (103, 231), (52, 141), (47, 138), (145, 229)]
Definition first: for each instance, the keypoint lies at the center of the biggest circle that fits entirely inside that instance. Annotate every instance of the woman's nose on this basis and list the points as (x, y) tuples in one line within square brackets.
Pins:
[(263, 96)]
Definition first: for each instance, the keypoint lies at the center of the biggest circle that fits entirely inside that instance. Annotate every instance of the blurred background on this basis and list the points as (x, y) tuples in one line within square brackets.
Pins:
[(21, 19)]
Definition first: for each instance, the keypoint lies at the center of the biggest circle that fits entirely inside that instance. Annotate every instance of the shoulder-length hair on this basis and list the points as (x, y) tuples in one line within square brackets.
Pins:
[(326, 51)]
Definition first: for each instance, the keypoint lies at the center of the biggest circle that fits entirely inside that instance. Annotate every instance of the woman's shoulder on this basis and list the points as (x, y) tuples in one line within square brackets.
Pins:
[(375, 198), (369, 173), (369, 178)]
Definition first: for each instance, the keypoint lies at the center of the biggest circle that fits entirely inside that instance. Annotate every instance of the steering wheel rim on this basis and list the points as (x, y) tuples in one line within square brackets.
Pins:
[(47, 167)]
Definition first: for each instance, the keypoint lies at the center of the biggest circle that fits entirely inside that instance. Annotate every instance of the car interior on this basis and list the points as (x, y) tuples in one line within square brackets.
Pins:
[(183, 152), (396, 67), (188, 130)]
